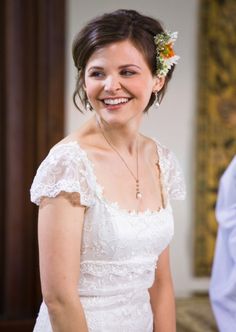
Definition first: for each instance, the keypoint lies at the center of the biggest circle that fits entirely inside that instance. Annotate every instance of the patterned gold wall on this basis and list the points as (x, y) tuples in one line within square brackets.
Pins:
[(216, 127)]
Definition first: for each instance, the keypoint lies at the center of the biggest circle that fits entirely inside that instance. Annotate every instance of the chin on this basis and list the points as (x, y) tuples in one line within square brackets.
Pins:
[(119, 121), (113, 120), (119, 116)]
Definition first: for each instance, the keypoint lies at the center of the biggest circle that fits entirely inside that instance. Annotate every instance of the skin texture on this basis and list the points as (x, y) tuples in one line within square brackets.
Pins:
[(59, 231), (162, 296), (117, 70)]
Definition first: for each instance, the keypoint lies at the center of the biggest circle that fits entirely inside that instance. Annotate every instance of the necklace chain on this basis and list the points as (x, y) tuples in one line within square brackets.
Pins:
[(136, 178)]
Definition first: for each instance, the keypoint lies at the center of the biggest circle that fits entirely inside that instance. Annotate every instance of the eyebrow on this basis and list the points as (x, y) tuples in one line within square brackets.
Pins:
[(120, 67), (130, 65)]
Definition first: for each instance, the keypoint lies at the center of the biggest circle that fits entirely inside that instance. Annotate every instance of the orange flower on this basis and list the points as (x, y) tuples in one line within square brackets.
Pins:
[(165, 54), (168, 51)]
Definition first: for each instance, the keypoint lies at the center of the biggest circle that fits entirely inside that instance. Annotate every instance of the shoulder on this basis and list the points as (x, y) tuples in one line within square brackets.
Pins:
[(227, 183), (171, 170), (155, 149), (230, 172), (63, 155), (225, 205), (150, 149), (69, 148), (63, 170)]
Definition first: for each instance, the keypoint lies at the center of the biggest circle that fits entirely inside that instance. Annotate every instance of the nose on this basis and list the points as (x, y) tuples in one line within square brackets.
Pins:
[(112, 83)]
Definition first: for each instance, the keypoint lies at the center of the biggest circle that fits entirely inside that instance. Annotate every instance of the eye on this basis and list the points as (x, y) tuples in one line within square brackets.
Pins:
[(96, 74), (127, 72)]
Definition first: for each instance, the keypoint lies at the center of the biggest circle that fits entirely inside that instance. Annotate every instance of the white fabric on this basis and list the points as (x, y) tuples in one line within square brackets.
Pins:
[(119, 249), (223, 279)]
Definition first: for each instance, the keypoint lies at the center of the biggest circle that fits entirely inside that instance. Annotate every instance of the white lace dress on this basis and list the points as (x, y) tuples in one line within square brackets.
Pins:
[(119, 249)]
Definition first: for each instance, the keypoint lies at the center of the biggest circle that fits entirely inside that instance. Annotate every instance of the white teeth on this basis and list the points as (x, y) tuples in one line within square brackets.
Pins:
[(115, 101)]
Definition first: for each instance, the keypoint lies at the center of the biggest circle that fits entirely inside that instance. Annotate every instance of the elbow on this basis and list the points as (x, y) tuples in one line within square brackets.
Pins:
[(56, 302)]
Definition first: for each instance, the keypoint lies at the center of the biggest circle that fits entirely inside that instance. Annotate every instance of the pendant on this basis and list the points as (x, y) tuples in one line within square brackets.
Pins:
[(138, 195)]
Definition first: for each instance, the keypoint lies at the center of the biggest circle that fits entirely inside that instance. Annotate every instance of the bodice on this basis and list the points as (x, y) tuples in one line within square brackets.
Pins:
[(119, 249)]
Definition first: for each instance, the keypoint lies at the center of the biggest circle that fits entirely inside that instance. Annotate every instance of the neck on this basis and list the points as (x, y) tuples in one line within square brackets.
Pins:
[(122, 137)]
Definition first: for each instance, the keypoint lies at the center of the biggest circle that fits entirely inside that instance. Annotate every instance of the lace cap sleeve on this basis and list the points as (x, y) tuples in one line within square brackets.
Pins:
[(62, 170), (172, 173)]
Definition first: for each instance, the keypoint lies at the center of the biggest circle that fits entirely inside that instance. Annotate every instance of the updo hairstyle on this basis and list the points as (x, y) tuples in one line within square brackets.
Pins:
[(114, 27)]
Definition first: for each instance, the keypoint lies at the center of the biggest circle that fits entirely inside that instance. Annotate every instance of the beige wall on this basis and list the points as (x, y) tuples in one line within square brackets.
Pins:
[(173, 124)]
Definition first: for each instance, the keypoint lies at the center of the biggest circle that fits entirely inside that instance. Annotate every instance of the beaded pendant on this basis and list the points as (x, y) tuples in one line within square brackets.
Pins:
[(138, 193)]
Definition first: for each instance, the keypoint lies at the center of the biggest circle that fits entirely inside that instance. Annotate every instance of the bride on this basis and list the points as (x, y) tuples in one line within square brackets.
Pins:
[(105, 219)]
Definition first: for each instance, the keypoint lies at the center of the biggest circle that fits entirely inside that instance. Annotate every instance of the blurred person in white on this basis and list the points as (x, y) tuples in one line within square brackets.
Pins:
[(223, 278)]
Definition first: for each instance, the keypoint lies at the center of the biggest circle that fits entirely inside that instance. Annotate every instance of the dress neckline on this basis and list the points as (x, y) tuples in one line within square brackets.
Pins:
[(99, 189)]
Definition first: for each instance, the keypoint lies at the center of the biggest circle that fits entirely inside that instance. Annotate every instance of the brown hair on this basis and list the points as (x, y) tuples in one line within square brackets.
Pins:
[(113, 27)]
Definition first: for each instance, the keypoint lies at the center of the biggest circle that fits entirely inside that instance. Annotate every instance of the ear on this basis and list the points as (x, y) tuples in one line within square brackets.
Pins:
[(158, 83)]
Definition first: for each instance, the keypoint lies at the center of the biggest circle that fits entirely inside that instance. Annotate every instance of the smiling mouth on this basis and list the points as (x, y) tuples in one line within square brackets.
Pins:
[(115, 101)]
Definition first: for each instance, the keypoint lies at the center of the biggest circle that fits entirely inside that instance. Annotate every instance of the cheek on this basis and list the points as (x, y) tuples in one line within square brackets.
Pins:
[(91, 89), (141, 86), (142, 93)]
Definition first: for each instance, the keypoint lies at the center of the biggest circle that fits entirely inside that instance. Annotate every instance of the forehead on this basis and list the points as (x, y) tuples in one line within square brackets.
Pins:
[(117, 53)]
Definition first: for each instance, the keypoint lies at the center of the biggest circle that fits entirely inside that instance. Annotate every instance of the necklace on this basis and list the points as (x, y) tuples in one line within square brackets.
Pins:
[(136, 178)]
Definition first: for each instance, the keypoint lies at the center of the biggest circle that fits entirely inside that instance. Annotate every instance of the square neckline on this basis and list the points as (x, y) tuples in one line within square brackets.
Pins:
[(114, 205)]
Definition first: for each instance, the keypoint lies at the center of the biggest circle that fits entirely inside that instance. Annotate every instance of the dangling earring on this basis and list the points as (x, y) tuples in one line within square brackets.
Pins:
[(156, 102), (88, 106), (87, 103)]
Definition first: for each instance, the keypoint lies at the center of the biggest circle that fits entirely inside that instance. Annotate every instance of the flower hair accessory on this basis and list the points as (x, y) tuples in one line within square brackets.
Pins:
[(165, 55)]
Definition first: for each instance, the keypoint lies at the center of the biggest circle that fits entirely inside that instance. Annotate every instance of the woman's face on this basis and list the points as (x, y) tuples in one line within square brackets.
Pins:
[(119, 83)]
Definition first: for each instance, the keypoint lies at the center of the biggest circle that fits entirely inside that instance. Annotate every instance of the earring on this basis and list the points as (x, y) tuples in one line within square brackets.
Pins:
[(88, 106), (156, 102)]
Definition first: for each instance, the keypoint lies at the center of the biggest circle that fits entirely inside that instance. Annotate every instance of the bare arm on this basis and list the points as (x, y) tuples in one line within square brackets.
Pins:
[(162, 296), (60, 231)]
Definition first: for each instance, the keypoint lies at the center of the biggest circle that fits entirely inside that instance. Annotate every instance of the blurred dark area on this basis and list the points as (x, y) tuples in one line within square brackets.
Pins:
[(32, 37)]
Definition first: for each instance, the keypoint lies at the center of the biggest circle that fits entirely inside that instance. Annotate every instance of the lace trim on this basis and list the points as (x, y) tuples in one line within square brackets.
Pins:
[(107, 279), (103, 268), (171, 172), (64, 170), (117, 299), (115, 208)]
